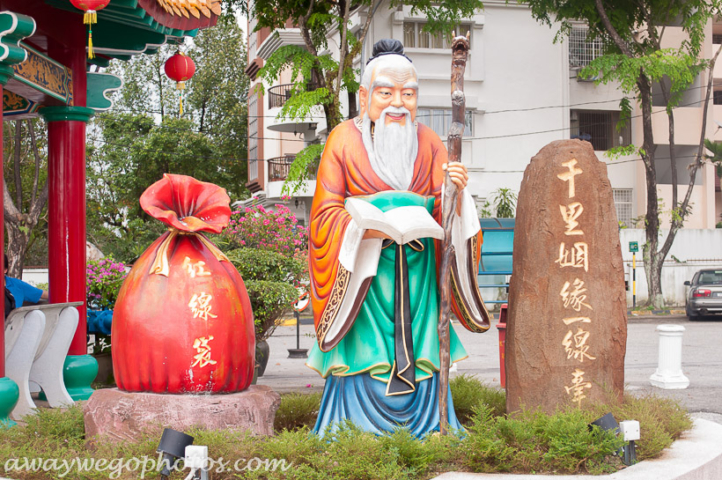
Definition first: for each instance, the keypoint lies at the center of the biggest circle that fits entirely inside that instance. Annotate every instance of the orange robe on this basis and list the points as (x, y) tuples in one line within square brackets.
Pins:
[(345, 171)]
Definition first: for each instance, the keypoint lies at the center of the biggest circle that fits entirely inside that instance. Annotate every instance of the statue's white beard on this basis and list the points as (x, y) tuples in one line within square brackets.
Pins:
[(393, 148)]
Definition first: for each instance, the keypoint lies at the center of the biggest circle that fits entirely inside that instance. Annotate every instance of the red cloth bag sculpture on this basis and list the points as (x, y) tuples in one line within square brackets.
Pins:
[(183, 321)]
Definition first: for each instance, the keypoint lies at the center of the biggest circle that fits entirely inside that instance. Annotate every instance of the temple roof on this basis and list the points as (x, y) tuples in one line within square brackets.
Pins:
[(129, 27)]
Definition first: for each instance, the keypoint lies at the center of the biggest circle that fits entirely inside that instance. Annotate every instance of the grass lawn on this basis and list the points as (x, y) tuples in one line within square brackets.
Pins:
[(528, 442)]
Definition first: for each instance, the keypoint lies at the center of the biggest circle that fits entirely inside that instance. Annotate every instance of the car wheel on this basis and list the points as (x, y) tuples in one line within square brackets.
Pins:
[(691, 315)]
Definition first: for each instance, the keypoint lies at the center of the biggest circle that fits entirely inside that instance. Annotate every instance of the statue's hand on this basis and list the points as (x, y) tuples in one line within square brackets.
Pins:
[(458, 174)]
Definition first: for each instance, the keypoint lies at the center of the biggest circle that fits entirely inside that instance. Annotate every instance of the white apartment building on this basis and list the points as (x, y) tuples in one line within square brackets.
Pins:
[(522, 92)]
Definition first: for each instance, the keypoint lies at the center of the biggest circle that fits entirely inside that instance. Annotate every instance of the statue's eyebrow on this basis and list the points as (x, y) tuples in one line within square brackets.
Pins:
[(382, 83), (412, 84)]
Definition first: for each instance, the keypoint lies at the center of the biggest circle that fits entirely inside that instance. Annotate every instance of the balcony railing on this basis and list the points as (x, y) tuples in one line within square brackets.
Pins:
[(279, 94), (278, 167)]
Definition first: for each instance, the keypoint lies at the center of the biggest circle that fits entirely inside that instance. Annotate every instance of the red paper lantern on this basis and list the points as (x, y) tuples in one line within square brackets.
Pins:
[(90, 7), (180, 68)]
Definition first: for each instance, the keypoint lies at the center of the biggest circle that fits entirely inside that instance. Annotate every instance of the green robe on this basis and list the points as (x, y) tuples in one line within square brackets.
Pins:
[(369, 344)]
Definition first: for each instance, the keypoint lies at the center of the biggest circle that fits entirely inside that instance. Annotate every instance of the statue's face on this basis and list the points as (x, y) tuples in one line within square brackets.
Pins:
[(390, 87)]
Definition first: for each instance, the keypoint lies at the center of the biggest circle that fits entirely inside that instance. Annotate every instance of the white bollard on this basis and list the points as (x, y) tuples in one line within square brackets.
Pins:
[(669, 370)]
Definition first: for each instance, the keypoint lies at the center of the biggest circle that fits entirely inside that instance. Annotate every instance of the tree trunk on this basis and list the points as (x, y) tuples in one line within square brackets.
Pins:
[(19, 225), (681, 211), (653, 261), (16, 248), (352, 107)]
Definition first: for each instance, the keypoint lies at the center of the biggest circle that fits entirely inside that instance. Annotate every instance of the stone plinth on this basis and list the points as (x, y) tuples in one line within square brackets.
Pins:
[(121, 416), (567, 325), (669, 369)]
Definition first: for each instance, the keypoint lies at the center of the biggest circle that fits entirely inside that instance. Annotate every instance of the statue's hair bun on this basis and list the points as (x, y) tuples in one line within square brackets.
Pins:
[(388, 46)]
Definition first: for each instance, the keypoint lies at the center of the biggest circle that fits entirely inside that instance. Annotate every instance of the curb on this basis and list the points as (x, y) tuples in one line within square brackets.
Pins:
[(696, 456), (650, 313)]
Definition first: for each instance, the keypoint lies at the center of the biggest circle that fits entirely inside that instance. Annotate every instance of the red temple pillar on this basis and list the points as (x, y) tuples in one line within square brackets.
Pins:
[(66, 211), (66, 233)]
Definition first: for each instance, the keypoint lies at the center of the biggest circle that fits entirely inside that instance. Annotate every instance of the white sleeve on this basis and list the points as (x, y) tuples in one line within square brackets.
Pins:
[(366, 260), (466, 226), (350, 245)]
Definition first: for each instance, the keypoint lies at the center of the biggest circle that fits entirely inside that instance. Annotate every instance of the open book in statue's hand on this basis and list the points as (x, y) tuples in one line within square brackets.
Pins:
[(402, 224)]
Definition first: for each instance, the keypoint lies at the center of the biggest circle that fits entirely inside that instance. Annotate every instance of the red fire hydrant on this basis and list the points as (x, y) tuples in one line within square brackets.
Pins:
[(502, 341)]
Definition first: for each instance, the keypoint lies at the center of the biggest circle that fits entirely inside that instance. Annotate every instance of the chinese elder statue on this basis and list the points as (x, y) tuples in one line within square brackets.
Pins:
[(375, 299)]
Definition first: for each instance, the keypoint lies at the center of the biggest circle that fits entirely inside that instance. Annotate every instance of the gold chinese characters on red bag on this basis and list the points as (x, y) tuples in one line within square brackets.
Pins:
[(183, 321)]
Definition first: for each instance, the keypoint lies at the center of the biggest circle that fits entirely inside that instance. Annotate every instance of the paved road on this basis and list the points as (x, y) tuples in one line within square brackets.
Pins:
[(701, 361)]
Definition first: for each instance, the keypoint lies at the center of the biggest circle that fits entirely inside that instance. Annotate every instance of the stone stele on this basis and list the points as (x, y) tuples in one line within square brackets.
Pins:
[(119, 416), (567, 326)]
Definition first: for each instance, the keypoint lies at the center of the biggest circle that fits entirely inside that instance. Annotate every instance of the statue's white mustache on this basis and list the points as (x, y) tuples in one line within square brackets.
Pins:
[(395, 111)]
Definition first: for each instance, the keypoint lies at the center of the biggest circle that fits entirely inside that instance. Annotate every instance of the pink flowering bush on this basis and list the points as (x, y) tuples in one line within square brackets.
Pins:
[(104, 278), (269, 249), (276, 230)]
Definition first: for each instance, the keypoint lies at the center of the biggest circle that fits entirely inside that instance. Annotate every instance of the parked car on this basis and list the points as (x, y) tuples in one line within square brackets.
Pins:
[(705, 294)]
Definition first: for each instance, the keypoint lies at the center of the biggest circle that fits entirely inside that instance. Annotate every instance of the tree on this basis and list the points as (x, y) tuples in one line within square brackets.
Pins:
[(716, 157), (26, 195), (143, 137), (632, 34), (218, 96), (320, 79), (504, 202)]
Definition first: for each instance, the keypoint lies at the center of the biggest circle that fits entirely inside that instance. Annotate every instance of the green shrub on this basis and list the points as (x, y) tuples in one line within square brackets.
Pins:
[(527, 442), (270, 301), (468, 393), (257, 264), (661, 420), (270, 279), (532, 441), (297, 410)]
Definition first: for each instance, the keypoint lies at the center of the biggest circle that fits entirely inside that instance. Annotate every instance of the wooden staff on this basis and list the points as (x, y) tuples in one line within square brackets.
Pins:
[(459, 55)]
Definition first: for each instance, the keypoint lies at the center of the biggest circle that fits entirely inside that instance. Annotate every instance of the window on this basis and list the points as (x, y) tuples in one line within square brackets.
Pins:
[(623, 205), (252, 137), (415, 37), (717, 38), (581, 51), (599, 128), (439, 120), (717, 97)]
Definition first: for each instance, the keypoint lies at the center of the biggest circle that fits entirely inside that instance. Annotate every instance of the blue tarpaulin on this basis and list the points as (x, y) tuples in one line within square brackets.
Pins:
[(99, 321), (495, 263), (496, 251)]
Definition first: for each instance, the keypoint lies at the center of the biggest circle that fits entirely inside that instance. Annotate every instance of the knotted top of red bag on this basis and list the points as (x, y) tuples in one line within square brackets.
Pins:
[(187, 204)]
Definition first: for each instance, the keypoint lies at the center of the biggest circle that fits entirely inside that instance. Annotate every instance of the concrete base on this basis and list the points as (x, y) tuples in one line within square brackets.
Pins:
[(9, 393), (123, 417), (696, 456), (669, 382), (79, 371)]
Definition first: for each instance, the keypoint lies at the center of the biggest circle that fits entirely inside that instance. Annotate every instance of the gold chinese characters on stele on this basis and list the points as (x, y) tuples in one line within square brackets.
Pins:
[(567, 327)]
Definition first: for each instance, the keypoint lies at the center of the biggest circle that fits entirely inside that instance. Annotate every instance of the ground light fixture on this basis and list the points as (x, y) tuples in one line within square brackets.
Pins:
[(172, 445), (197, 460), (606, 422), (630, 430), (630, 433)]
